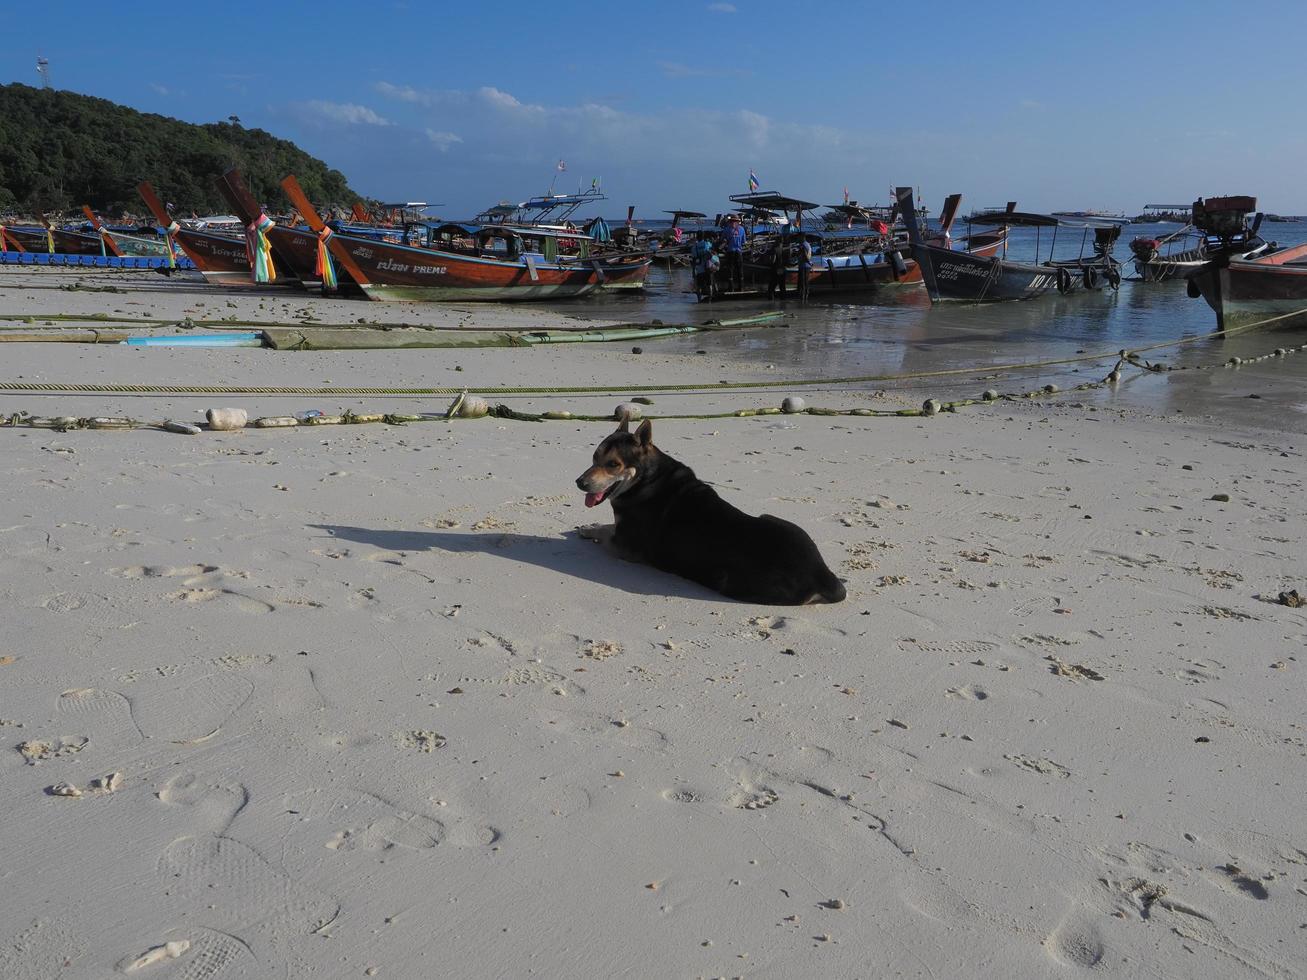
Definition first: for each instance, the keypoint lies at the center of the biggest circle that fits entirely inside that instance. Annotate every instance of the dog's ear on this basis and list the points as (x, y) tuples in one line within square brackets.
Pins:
[(644, 434), (625, 424)]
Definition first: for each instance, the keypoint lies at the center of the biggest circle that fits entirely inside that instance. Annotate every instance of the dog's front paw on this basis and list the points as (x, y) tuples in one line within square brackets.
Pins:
[(603, 533)]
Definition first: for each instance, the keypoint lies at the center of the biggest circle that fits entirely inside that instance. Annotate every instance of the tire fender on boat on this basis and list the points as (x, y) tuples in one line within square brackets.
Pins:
[(1091, 277), (1063, 280)]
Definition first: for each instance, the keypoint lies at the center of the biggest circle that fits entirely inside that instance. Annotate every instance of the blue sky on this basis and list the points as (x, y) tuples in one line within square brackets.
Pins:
[(1056, 105)]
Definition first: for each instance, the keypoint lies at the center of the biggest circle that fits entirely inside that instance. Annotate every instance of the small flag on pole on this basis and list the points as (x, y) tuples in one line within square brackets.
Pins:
[(561, 166), (753, 182), (846, 195)]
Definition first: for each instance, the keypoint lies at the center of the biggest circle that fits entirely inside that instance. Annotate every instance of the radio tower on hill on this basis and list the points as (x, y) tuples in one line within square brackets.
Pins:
[(43, 69)]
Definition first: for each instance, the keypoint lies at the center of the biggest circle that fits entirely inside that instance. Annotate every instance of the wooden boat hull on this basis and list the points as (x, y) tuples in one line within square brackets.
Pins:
[(65, 242), (621, 272), (1246, 293), (841, 275), (223, 261), (402, 272), (963, 277)]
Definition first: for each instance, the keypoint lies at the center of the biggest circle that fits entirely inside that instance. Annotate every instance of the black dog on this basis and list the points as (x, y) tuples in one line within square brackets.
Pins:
[(664, 515)]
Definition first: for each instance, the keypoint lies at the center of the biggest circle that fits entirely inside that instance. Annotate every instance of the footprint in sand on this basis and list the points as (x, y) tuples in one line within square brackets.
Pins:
[(64, 602), (234, 887), (213, 803), (752, 791), (968, 692), (1075, 942), (192, 711), (105, 715), (162, 571), (357, 820), (952, 648), (210, 956), (42, 951)]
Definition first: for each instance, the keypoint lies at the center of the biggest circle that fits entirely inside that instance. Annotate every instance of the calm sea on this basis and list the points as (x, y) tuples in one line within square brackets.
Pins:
[(903, 333)]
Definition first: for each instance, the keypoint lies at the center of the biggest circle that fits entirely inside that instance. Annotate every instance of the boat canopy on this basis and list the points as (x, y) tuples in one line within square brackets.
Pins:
[(771, 201), (1029, 219), (449, 227), (686, 214)]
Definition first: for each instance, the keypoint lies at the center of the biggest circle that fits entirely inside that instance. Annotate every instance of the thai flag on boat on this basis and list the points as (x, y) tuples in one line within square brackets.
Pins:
[(846, 195), (753, 181)]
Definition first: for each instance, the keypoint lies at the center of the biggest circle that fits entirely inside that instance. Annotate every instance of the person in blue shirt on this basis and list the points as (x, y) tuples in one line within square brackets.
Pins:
[(701, 265), (733, 253)]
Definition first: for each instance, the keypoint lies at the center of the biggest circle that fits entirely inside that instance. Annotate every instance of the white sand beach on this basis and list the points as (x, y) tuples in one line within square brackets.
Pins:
[(379, 711)]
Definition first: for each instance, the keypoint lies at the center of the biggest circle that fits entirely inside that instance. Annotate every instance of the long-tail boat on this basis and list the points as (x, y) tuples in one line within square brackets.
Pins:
[(298, 250), (496, 262), (221, 259), (1264, 286), (968, 277), (1229, 235)]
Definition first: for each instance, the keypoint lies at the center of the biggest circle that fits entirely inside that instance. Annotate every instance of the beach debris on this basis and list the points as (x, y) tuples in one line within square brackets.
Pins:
[(107, 784), (637, 350), (1075, 672), (422, 740), (793, 404), (184, 428), (1222, 498), (990, 394), (6, 660), (1291, 599), (226, 419), (37, 750), (642, 400), (931, 406), (64, 789), (1050, 389), (898, 724), (276, 422), (600, 649), (834, 904), (628, 411), (158, 954)]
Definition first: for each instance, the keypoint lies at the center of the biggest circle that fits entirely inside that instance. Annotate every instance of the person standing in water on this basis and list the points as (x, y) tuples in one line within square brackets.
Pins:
[(733, 253), (804, 251)]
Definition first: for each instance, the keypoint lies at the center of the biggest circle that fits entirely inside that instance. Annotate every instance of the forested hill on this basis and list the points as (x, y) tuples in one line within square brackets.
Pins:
[(59, 150)]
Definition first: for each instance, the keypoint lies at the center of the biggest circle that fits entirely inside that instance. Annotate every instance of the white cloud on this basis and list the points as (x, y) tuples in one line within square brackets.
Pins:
[(443, 140), (346, 112), (497, 98), (161, 89), (722, 8)]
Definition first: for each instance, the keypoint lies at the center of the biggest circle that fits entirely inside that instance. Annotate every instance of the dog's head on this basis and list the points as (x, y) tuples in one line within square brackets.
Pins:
[(617, 463)]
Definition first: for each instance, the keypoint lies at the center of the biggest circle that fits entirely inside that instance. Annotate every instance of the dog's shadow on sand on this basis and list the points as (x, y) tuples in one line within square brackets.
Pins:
[(567, 553)]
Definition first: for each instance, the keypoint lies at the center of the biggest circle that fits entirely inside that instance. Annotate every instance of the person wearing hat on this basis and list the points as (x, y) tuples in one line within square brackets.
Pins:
[(733, 253)]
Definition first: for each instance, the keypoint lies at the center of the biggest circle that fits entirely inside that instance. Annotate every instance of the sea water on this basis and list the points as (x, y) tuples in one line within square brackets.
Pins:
[(901, 333)]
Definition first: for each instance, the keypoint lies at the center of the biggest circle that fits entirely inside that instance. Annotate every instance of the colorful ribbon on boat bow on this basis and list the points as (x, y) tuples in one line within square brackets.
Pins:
[(323, 269), (49, 240), (259, 249), (168, 232)]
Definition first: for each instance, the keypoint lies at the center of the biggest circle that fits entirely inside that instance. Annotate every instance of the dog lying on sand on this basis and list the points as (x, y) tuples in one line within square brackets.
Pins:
[(667, 517)]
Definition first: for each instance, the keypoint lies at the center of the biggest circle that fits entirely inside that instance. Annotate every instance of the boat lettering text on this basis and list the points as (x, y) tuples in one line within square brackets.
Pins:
[(951, 271)]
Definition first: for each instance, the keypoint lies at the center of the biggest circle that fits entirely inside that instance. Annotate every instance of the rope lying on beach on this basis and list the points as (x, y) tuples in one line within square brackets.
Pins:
[(479, 408)]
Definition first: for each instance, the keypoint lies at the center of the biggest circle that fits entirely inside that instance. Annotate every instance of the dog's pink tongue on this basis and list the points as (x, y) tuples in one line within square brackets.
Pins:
[(591, 499)]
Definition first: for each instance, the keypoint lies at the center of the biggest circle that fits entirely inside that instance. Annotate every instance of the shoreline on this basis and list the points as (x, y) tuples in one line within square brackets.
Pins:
[(376, 705)]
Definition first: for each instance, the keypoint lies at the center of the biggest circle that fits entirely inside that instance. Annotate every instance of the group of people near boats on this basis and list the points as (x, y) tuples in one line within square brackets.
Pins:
[(717, 261)]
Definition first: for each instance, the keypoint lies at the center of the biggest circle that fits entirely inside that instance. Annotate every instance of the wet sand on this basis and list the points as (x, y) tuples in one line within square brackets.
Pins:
[(378, 710)]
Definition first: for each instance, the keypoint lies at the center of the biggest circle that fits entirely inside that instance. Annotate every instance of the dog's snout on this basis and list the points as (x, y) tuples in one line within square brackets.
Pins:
[(580, 481)]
